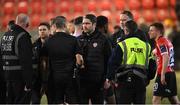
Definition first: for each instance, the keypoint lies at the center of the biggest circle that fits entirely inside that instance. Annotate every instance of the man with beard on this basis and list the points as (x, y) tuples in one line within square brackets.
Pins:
[(96, 51)]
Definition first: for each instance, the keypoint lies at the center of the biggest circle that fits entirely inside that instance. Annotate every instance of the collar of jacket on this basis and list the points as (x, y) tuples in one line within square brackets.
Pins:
[(19, 29), (95, 34)]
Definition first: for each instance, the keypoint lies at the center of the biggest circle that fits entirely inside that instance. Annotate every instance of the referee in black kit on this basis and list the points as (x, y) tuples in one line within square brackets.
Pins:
[(63, 53)]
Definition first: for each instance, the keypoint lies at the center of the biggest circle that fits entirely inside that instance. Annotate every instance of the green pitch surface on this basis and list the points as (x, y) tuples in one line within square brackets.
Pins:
[(149, 92)]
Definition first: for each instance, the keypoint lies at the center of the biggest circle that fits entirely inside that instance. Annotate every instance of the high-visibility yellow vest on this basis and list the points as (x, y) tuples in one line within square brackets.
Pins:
[(135, 54)]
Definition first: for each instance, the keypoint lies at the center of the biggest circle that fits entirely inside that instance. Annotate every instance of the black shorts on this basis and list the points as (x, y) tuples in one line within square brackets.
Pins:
[(168, 90)]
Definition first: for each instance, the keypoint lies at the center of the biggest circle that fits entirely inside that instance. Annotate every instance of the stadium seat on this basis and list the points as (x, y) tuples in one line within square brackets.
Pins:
[(136, 14), (148, 4), (78, 6), (162, 3), (22, 7), (3, 1), (50, 7), (134, 4), (47, 1), (36, 7), (162, 14), (116, 16), (76, 14), (48, 16), (64, 6), (107, 14), (8, 8), (92, 6), (36, 0), (35, 20), (120, 4), (173, 14), (172, 3), (105, 5), (5, 20), (149, 15)]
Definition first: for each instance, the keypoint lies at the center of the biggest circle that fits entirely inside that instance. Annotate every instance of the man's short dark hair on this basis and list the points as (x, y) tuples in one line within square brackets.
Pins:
[(45, 24), (158, 26), (61, 17), (60, 22), (101, 21), (52, 20), (131, 26), (129, 14), (78, 20), (91, 17)]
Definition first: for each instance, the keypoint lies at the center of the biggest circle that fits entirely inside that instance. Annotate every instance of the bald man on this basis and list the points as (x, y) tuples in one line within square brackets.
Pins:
[(16, 54)]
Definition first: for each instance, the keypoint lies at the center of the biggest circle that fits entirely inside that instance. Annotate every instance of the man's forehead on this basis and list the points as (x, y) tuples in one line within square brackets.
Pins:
[(86, 20), (42, 26)]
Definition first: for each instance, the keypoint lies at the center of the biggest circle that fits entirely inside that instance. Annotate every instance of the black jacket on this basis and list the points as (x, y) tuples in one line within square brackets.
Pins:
[(61, 49), (17, 42), (39, 74), (96, 51)]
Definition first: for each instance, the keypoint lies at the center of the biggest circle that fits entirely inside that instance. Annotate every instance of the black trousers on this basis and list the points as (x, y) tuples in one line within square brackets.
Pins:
[(93, 91), (2, 92), (65, 90), (36, 92), (131, 90), (16, 93)]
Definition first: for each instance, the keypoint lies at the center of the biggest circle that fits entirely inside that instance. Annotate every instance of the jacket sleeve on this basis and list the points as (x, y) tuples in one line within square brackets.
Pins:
[(107, 54), (114, 62), (25, 57)]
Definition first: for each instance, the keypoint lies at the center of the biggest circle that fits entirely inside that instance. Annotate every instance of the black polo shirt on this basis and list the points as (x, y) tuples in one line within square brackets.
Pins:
[(61, 49)]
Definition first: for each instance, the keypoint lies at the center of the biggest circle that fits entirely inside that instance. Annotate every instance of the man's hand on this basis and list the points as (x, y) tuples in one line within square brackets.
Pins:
[(27, 89), (163, 81), (107, 84)]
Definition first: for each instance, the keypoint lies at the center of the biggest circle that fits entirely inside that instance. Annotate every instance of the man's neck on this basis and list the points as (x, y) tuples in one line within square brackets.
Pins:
[(42, 40), (78, 32), (60, 30), (158, 37)]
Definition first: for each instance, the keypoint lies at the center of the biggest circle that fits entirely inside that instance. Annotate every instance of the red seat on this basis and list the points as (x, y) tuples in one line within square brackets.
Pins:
[(162, 3), (162, 14), (50, 7), (116, 16), (149, 15), (23, 7), (8, 8), (74, 15), (36, 0), (5, 20), (48, 16), (173, 14), (136, 14), (172, 3), (64, 6), (120, 4), (35, 20), (148, 4), (107, 14), (105, 5), (36, 7), (78, 6), (92, 5), (3, 1), (134, 4)]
